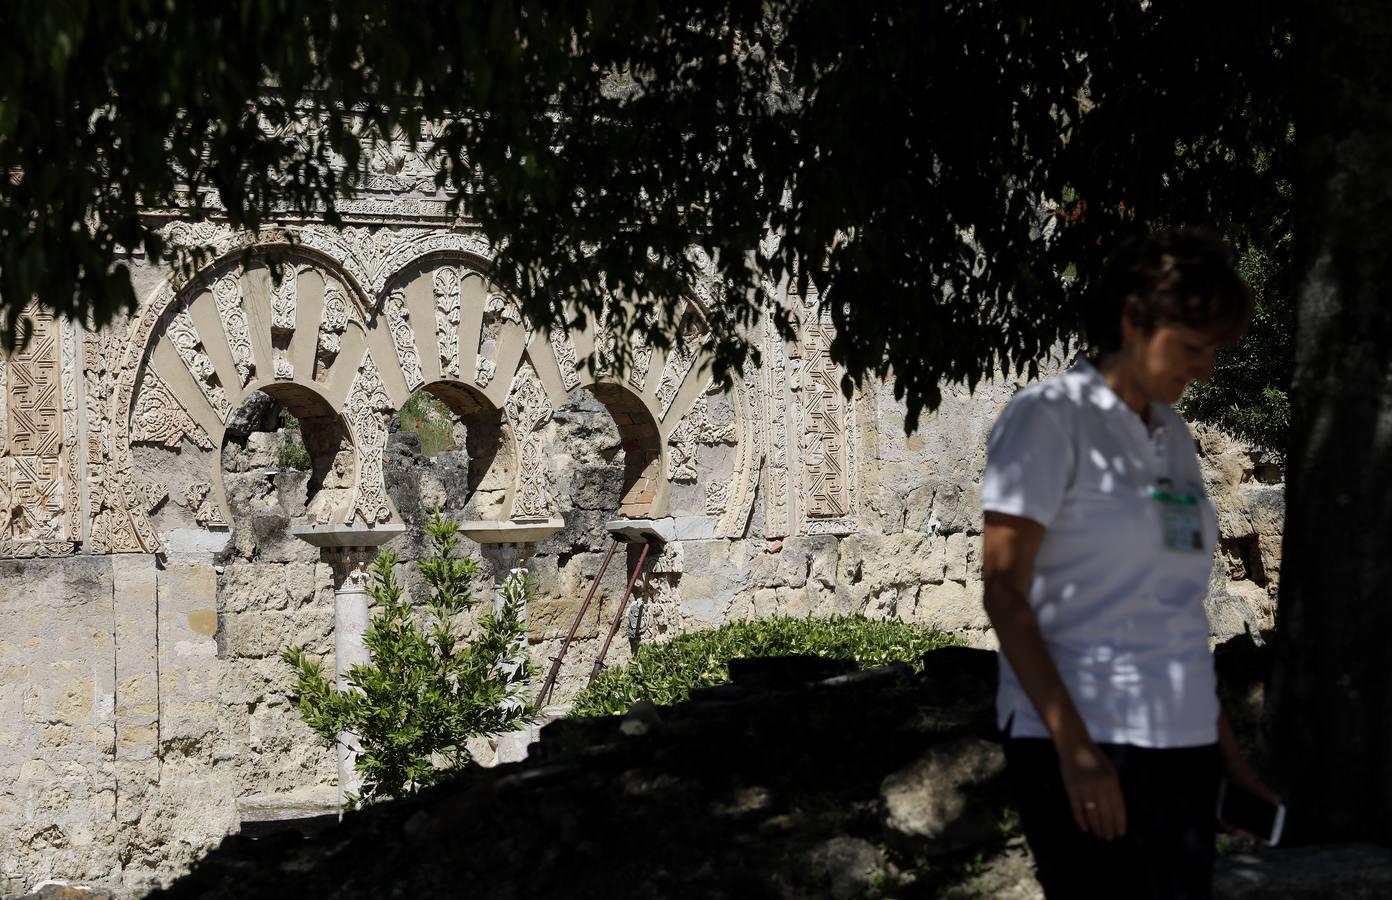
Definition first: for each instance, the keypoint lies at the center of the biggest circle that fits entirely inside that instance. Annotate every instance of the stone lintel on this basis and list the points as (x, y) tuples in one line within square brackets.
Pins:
[(511, 531), (665, 529), (338, 535)]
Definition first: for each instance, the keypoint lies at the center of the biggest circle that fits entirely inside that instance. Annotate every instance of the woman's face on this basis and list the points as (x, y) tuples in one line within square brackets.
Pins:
[(1163, 360)]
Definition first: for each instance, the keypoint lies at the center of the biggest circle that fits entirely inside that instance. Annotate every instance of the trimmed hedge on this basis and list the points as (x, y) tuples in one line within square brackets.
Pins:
[(667, 673)]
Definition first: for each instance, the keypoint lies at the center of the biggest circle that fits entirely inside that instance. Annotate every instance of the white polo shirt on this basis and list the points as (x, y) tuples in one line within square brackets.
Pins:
[(1121, 613)]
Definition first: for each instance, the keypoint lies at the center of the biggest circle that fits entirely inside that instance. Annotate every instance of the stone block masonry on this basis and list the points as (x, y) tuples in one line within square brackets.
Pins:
[(150, 578)]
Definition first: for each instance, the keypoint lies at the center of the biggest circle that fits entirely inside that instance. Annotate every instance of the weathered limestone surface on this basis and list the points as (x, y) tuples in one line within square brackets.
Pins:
[(58, 722), (151, 578)]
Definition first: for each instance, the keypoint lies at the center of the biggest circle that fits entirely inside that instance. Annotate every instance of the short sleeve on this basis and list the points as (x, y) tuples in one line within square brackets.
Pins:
[(1029, 459)]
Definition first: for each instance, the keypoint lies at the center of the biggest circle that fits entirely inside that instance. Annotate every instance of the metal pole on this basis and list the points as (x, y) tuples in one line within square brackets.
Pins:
[(618, 616), (550, 682)]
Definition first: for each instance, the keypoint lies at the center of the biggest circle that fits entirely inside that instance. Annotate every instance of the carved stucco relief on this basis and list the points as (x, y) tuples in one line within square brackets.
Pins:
[(827, 426), (332, 324), (498, 313), (227, 294), (160, 419), (367, 410), (528, 409), (285, 301), (285, 298), (404, 339), (203, 504), (184, 336), (564, 349), (774, 420), (39, 485), (683, 356), (733, 500), (4, 404), (369, 259), (445, 284), (697, 427)]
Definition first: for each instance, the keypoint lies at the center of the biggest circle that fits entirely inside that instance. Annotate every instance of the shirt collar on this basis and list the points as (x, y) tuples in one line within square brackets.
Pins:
[(1101, 395)]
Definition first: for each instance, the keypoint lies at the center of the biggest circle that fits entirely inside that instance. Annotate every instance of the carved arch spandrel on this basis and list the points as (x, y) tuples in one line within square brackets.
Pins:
[(390, 322), (121, 515)]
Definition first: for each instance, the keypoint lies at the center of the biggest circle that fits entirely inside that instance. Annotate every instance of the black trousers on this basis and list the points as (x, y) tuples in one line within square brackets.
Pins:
[(1171, 797)]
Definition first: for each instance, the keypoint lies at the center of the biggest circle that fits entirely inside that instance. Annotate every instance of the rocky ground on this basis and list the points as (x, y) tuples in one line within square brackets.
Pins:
[(799, 779)]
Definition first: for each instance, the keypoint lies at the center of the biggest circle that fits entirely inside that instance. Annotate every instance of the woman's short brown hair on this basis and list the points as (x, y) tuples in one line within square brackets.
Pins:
[(1180, 277)]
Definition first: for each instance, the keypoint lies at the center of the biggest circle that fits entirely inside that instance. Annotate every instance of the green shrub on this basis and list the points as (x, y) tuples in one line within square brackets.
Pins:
[(291, 453), (427, 690), (667, 673), (431, 420)]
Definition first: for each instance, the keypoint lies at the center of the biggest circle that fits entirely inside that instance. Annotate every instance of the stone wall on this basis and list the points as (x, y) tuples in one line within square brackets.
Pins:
[(153, 578)]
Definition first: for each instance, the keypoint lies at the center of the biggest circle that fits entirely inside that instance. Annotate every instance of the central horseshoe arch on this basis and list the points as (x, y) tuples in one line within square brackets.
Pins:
[(358, 322)]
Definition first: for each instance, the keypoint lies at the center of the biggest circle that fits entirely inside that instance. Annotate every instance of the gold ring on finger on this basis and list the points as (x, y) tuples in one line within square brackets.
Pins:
[(1090, 804)]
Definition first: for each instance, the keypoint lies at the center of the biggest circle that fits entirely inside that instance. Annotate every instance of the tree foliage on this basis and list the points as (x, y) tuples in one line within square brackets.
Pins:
[(1248, 394), (427, 689), (931, 170)]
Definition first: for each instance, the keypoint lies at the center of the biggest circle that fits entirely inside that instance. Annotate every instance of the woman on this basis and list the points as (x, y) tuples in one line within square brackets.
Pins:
[(1097, 551)]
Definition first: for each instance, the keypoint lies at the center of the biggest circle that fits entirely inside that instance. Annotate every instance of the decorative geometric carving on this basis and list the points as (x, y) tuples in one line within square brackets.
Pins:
[(34, 403), (824, 438), (399, 324), (159, 419), (331, 327), (605, 341), (10, 549), (227, 293), (37, 502), (184, 336), (199, 499), (97, 388), (367, 411), (446, 288), (38, 477), (828, 430), (528, 409), (502, 308), (498, 312), (367, 260)]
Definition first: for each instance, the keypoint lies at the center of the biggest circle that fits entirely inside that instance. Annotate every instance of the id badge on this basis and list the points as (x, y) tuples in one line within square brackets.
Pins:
[(1180, 520)]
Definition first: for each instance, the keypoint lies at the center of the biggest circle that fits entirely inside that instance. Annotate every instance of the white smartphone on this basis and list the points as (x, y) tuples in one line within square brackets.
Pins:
[(1245, 811)]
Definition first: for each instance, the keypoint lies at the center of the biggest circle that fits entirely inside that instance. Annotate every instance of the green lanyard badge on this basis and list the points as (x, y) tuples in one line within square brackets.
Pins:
[(1183, 527)]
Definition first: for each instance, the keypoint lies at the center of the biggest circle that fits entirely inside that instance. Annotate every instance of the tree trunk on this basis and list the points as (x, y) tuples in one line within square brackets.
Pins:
[(1330, 711)]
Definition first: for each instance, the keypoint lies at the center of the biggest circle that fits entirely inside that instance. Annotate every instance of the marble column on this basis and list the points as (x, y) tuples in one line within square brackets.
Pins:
[(350, 550), (508, 545)]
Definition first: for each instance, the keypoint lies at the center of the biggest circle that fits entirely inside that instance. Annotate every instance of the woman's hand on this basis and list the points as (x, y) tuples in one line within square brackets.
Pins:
[(1094, 791), (1235, 765)]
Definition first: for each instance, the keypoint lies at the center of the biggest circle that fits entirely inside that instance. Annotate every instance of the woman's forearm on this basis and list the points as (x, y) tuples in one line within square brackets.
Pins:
[(1021, 641)]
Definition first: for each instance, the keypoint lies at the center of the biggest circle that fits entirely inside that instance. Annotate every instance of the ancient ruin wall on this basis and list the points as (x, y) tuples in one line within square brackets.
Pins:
[(151, 578)]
